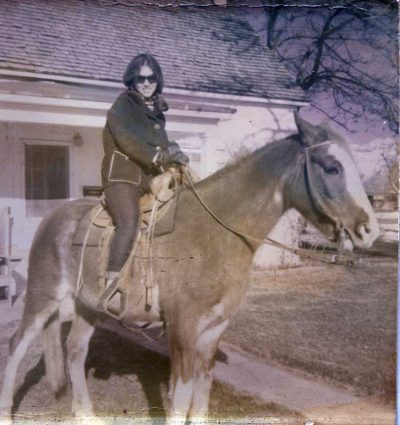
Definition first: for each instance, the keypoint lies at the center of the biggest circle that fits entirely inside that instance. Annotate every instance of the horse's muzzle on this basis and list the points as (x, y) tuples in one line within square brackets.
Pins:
[(365, 234)]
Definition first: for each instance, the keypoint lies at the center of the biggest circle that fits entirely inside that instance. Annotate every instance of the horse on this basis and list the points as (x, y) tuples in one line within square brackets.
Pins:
[(201, 268)]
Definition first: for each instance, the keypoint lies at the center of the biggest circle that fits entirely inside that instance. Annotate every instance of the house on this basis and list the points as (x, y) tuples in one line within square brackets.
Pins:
[(61, 65)]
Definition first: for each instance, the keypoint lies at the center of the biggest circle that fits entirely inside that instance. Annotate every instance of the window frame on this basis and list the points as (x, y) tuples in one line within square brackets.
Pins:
[(30, 203)]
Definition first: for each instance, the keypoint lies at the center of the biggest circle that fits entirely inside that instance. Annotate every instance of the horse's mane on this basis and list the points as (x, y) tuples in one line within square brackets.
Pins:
[(273, 157)]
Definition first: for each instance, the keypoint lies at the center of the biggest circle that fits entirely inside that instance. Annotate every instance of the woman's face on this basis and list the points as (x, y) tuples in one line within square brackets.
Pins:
[(146, 83)]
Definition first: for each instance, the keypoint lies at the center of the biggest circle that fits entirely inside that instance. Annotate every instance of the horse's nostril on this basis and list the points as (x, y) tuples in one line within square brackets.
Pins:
[(363, 229)]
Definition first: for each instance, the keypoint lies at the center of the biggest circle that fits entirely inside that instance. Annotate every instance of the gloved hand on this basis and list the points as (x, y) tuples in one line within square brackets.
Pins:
[(164, 159), (177, 158)]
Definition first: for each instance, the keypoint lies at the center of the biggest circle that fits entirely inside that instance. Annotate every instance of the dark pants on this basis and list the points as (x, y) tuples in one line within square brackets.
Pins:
[(122, 200)]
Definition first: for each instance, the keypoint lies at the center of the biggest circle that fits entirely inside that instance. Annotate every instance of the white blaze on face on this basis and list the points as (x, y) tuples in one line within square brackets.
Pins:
[(354, 186), (352, 178)]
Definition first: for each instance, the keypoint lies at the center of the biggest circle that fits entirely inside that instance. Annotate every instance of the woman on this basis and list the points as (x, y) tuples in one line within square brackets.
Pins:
[(136, 149)]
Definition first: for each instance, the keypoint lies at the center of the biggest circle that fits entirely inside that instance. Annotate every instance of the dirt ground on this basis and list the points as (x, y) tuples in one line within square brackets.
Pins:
[(125, 381), (328, 323)]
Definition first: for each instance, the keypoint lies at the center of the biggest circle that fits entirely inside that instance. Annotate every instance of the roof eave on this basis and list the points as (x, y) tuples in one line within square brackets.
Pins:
[(219, 98)]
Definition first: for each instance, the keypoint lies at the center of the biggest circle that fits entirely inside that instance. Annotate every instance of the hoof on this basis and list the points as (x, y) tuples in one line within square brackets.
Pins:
[(89, 420), (177, 420), (61, 392), (83, 413), (5, 420)]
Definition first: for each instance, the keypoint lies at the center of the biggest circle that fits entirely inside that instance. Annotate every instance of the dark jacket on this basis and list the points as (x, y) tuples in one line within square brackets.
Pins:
[(131, 139)]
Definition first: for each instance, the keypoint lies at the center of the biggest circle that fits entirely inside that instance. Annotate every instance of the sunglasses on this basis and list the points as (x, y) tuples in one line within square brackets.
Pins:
[(150, 78)]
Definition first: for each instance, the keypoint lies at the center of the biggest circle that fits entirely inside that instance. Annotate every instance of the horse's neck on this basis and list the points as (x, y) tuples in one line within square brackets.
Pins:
[(250, 196)]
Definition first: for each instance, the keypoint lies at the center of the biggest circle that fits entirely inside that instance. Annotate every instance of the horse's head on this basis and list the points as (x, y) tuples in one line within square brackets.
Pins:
[(335, 201)]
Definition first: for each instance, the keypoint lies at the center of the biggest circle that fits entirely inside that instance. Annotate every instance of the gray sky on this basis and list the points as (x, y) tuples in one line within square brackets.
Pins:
[(365, 129)]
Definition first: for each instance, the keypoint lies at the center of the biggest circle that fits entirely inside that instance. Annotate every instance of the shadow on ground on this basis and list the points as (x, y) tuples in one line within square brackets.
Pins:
[(110, 354)]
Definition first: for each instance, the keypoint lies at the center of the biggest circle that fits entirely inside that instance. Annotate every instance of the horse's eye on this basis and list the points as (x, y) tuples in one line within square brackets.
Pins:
[(333, 171)]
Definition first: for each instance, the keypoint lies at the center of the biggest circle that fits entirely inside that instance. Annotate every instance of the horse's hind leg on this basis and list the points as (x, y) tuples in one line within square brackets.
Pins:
[(77, 348), (30, 327), (54, 356)]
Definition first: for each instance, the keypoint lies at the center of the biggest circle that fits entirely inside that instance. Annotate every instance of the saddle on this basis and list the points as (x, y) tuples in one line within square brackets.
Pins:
[(94, 234)]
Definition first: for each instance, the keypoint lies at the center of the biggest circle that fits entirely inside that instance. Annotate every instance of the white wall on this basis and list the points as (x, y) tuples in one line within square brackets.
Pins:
[(85, 163)]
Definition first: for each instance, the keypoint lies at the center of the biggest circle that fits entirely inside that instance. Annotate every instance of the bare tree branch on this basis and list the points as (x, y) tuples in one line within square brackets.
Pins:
[(393, 172), (346, 48)]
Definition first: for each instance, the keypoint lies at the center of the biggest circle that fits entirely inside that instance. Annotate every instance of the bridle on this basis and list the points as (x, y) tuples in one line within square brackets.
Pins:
[(340, 258), (318, 200), (316, 197)]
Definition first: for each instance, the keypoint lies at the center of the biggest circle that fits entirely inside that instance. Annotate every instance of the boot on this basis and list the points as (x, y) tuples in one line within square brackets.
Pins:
[(110, 291)]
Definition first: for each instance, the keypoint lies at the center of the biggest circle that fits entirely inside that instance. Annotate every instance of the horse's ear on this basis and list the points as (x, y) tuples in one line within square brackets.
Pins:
[(308, 132)]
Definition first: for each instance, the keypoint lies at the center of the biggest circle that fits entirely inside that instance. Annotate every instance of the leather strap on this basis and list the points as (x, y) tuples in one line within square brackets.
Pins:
[(304, 253)]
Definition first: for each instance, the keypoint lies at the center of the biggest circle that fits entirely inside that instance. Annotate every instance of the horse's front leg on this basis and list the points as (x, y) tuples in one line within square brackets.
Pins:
[(77, 347), (181, 381), (206, 347)]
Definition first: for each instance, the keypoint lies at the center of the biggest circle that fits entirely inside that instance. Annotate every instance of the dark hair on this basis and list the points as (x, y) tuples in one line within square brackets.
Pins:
[(133, 69)]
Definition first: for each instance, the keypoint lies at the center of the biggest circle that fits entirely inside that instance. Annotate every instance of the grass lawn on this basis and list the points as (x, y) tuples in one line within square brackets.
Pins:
[(328, 322)]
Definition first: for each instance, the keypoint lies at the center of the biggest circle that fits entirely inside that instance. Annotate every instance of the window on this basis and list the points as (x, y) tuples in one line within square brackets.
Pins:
[(46, 177)]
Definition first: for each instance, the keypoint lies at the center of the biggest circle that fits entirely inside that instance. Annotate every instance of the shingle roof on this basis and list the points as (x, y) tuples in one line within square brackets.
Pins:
[(208, 49)]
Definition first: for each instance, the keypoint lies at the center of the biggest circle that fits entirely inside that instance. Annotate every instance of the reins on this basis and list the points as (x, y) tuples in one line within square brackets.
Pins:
[(301, 252)]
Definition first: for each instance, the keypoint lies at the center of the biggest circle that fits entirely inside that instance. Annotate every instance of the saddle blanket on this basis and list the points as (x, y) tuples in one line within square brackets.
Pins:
[(99, 219)]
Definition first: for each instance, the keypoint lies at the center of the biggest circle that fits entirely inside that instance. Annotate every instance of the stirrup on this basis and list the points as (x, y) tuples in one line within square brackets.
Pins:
[(107, 296)]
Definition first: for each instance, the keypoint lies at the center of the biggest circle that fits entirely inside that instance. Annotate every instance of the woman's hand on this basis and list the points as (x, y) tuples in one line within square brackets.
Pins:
[(177, 158), (165, 159)]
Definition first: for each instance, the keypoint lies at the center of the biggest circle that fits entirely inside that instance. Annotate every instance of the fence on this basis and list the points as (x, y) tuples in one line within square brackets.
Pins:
[(388, 224)]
